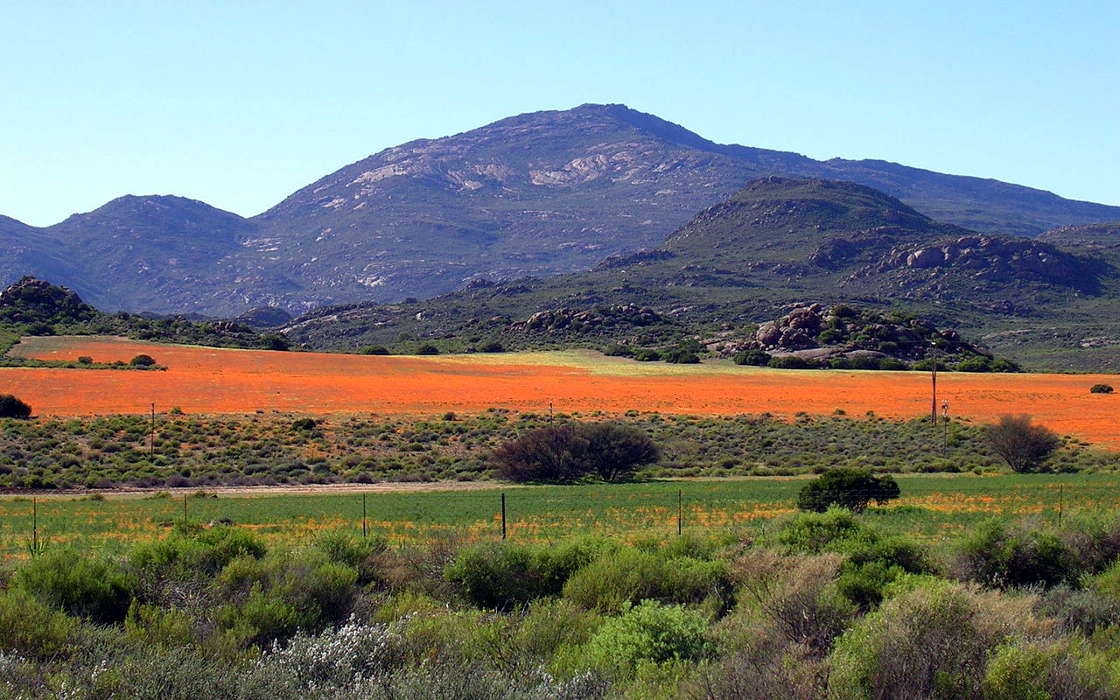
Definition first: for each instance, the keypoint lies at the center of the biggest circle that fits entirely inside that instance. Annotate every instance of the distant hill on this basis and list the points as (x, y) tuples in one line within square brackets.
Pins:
[(533, 195), (34, 307), (1106, 234), (776, 243)]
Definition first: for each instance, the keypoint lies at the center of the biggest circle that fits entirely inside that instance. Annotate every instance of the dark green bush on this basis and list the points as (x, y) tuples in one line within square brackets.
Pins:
[(427, 349), (646, 355), (374, 350), (757, 358), (615, 450), (848, 488), (616, 350), (142, 361), (1101, 389), (999, 554), (84, 587), (11, 407), (791, 362)]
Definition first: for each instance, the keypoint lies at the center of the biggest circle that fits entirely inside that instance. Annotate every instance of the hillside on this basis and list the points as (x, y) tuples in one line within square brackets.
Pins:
[(775, 243), (34, 307), (537, 194)]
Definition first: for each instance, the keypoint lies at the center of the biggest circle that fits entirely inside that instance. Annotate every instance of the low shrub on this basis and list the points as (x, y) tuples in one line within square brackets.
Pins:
[(31, 628), (629, 575), (142, 361), (931, 641), (790, 362), (1101, 389), (83, 587), (757, 358), (651, 632), (1000, 554)]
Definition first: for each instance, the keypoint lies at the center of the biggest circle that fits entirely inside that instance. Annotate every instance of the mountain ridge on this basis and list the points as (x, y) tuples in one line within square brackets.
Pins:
[(536, 194)]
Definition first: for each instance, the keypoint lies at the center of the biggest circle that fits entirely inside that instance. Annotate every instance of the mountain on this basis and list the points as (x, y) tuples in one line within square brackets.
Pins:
[(776, 243), (162, 254), (533, 195)]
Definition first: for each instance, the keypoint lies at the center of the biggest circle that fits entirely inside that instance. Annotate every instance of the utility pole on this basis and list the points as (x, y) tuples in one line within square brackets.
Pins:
[(152, 432), (549, 411)]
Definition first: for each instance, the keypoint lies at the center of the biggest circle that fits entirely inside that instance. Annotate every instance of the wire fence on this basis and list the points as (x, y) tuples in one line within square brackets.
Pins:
[(534, 514)]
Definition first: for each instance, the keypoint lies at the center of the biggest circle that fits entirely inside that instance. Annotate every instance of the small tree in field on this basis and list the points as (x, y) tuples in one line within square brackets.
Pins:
[(552, 453), (11, 407), (567, 452), (142, 361), (1022, 444), (614, 450), (848, 488)]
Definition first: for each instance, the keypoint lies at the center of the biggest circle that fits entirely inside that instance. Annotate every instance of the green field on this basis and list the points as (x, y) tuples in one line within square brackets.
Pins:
[(932, 508)]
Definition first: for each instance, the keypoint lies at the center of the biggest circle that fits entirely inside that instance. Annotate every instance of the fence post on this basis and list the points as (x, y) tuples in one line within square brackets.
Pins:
[(34, 526), (184, 510), (1061, 494), (680, 512), (365, 527), (503, 515)]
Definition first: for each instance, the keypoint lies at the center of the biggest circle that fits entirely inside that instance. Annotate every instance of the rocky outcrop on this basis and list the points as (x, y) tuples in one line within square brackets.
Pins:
[(580, 320), (816, 332), (994, 259)]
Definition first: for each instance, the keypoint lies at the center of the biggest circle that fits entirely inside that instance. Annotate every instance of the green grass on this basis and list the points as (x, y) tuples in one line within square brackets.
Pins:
[(933, 508)]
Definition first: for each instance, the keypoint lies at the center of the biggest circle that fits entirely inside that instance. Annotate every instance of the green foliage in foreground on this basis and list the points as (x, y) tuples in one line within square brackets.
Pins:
[(216, 612)]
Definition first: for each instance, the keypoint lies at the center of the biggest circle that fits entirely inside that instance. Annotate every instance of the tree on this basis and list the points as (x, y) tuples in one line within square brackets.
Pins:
[(552, 453), (616, 450), (848, 488), (11, 407), (570, 451), (275, 341), (142, 361), (1021, 443)]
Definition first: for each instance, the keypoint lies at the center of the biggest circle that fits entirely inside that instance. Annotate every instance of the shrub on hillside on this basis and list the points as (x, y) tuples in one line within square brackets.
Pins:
[(790, 362), (374, 350), (848, 488), (1021, 443), (427, 349), (1101, 389), (757, 358), (142, 361), (11, 407)]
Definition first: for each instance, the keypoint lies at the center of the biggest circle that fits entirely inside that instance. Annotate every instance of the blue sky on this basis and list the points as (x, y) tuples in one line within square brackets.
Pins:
[(241, 103)]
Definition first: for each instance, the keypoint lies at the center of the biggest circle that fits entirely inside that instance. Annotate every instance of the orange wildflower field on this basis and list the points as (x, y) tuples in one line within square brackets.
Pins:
[(209, 380)]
